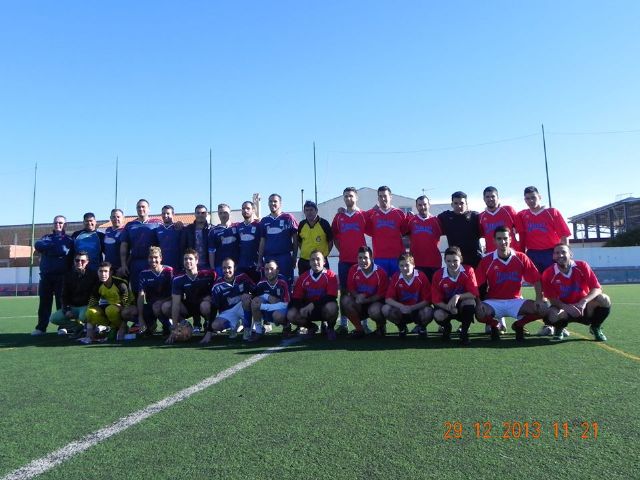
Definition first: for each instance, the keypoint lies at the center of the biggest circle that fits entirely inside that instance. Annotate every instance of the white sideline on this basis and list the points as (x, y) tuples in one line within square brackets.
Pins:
[(41, 465)]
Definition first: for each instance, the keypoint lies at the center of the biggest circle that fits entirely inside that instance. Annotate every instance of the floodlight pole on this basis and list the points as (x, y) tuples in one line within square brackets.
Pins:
[(33, 225), (116, 200), (315, 177), (210, 180), (546, 165), (302, 199)]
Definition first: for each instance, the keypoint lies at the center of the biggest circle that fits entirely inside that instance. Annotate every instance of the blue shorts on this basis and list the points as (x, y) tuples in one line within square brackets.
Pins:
[(343, 272), (542, 259), (389, 265)]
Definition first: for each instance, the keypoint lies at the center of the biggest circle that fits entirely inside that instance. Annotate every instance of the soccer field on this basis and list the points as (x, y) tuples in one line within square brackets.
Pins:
[(375, 408)]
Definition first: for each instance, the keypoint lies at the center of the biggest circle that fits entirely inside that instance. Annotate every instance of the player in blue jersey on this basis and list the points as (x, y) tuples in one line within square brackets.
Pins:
[(89, 240), (223, 240), (230, 302), (191, 292), (169, 239), (279, 240), (269, 304), (154, 291), (136, 239), (112, 240), (249, 234)]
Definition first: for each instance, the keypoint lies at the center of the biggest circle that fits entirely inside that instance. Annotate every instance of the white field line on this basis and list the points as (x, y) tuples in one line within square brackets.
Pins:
[(41, 465)]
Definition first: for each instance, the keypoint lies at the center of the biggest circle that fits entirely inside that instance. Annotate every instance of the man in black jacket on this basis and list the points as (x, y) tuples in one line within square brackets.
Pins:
[(196, 236)]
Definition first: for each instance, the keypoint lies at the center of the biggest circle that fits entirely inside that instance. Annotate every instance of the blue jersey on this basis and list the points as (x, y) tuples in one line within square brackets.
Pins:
[(90, 242), (168, 238), (279, 290), (278, 233), (248, 243), (112, 246), (54, 250), (193, 289), (225, 295), (224, 242), (155, 286), (140, 236)]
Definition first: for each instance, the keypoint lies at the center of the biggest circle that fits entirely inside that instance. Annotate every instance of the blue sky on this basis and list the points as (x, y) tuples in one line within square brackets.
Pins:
[(440, 96)]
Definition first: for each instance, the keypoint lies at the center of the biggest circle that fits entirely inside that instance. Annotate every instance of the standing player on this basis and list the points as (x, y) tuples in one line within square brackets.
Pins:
[(408, 297), (386, 225), (503, 272), (223, 239), (575, 294), (348, 229), (230, 302), (454, 292), (497, 215), (462, 228), (314, 233), (314, 298), (424, 232), (191, 292), (136, 239), (365, 294), (89, 240), (154, 291), (269, 305), (542, 229), (279, 240), (249, 234), (169, 239), (112, 238)]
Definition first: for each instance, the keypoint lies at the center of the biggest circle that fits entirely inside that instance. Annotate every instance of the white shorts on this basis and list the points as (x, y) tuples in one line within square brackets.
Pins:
[(506, 308), (233, 316)]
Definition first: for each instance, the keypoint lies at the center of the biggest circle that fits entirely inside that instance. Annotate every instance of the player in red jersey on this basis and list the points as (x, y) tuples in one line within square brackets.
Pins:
[(575, 294), (425, 232), (454, 293), (542, 228), (497, 215), (314, 297), (503, 272), (408, 297), (366, 289), (386, 225), (348, 228)]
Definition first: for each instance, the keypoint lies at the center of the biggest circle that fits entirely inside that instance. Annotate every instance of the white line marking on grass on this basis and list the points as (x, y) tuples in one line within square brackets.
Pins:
[(41, 465)]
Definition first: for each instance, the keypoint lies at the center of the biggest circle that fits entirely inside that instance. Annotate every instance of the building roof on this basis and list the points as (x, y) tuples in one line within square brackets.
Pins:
[(603, 209)]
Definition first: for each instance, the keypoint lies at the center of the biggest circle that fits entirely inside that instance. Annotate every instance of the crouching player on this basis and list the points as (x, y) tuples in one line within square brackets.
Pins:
[(503, 272), (269, 305), (190, 293), (575, 294), (154, 292), (314, 297), (230, 302), (408, 297), (110, 296), (454, 291), (364, 297)]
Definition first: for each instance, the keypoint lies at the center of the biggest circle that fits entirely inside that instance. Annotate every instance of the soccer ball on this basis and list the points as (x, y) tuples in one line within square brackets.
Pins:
[(183, 331)]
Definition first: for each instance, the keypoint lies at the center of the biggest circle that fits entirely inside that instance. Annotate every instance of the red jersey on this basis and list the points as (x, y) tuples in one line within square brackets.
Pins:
[(312, 289), (504, 277), (504, 216), (348, 232), (425, 234), (375, 283), (541, 230), (416, 290), (386, 230), (443, 286), (571, 287)]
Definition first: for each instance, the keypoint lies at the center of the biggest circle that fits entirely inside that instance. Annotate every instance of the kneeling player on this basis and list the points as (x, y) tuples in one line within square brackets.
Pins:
[(190, 293), (575, 294), (503, 272), (270, 302), (314, 297), (408, 297), (454, 292), (366, 288), (231, 299), (106, 303)]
